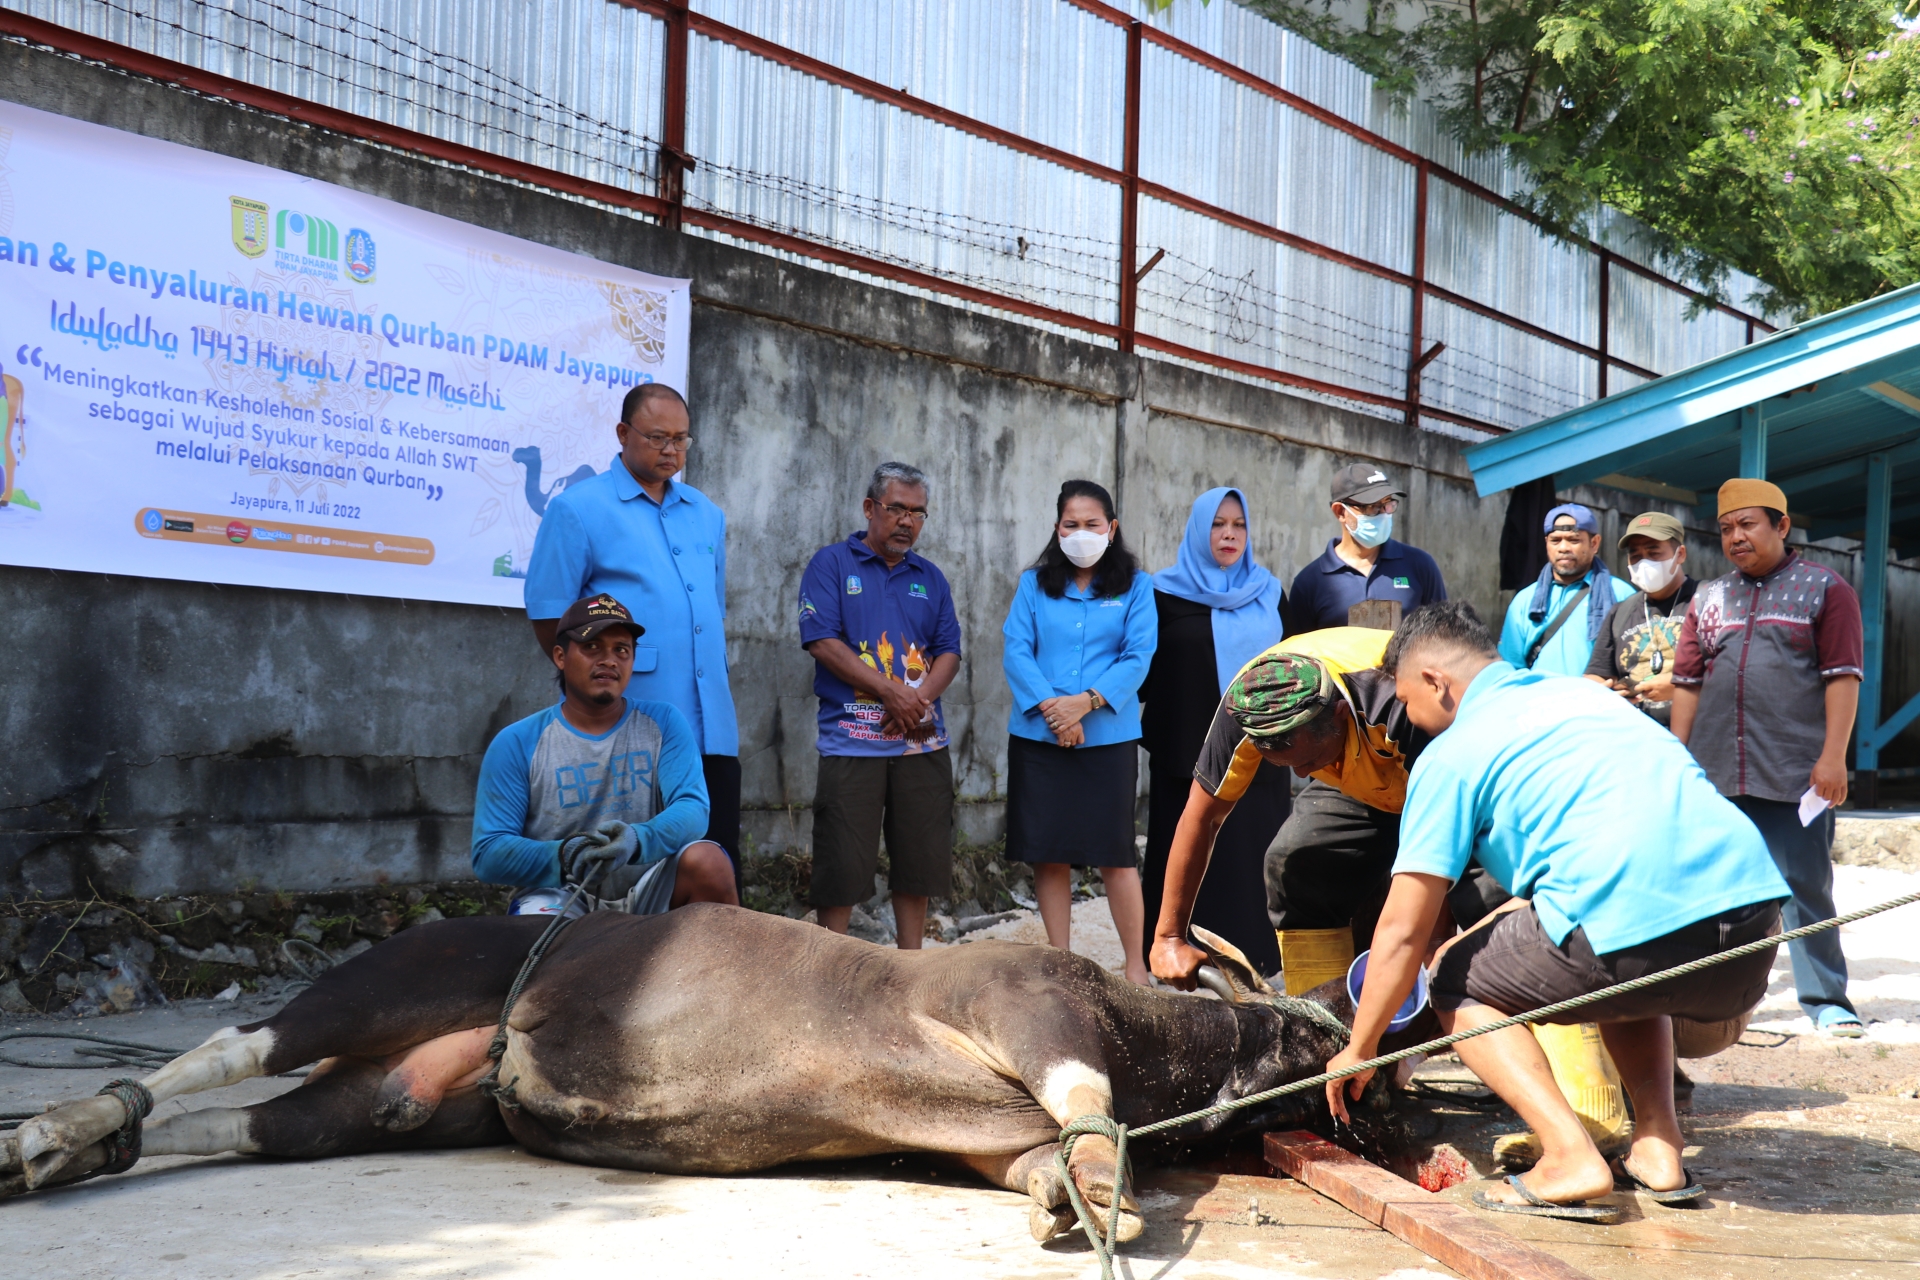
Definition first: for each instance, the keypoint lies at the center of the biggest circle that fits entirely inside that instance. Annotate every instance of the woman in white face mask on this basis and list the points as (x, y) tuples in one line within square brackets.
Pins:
[(1079, 637)]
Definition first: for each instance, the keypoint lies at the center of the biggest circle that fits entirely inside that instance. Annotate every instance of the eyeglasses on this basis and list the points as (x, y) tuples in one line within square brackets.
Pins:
[(668, 444), (1384, 507), (916, 514)]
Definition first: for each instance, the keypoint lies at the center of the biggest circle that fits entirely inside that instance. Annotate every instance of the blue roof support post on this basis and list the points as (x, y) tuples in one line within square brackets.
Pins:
[(1873, 617), (1753, 442)]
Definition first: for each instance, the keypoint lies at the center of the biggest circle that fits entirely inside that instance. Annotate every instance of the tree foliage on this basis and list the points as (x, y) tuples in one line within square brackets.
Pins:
[(1776, 136)]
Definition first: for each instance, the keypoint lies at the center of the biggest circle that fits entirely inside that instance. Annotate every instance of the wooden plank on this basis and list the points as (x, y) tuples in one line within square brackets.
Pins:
[(1444, 1231)]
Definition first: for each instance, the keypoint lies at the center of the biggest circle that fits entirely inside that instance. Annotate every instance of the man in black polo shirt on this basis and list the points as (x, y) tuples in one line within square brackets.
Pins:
[(1332, 858), (1365, 562)]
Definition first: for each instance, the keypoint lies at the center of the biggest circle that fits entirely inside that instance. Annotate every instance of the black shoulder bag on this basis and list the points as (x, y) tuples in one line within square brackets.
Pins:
[(1559, 621)]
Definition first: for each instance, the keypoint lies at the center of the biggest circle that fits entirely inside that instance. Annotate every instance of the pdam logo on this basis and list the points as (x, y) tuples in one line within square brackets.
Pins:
[(322, 238), (360, 256)]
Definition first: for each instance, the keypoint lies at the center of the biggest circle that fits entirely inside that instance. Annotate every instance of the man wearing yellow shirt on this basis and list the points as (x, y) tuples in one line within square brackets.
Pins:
[(1318, 704)]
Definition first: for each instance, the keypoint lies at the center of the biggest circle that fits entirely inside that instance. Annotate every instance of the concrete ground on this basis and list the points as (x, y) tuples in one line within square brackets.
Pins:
[(1811, 1152)]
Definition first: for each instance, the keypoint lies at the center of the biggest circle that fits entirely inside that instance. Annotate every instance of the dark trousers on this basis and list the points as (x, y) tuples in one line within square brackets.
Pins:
[(1804, 856), (1229, 901), (723, 807), (1331, 864)]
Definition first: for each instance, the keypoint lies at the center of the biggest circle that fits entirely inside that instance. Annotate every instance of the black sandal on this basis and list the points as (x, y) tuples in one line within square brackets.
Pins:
[(1623, 1174), (1535, 1207)]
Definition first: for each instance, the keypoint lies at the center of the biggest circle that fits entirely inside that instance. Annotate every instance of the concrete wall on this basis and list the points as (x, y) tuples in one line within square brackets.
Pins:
[(166, 737)]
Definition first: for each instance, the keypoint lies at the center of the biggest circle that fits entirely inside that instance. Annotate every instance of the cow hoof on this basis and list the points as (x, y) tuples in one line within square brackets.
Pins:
[(47, 1143), (1046, 1188), (402, 1113), (1044, 1224)]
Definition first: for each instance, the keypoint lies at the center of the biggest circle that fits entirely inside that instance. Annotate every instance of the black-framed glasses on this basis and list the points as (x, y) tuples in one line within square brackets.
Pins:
[(1384, 507), (916, 514)]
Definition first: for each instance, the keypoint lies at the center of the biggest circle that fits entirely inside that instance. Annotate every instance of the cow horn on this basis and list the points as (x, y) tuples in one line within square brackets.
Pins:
[(1232, 962), (1217, 982)]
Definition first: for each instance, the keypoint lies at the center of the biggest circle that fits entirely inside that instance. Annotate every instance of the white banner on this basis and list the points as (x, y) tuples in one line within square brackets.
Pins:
[(226, 373)]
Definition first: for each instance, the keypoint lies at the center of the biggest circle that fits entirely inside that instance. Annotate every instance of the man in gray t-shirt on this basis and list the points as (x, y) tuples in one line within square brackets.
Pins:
[(601, 789)]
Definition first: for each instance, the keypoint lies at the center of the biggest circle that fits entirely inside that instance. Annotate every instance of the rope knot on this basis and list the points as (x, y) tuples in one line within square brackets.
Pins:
[(123, 1146)]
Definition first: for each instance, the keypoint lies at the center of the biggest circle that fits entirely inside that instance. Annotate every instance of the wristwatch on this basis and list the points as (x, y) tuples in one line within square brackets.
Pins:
[(1098, 701)]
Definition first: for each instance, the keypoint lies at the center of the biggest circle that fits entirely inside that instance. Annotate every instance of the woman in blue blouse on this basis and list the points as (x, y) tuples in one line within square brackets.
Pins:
[(1079, 638)]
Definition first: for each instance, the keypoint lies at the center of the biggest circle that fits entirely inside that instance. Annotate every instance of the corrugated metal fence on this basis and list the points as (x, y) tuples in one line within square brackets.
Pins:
[(1203, 185)]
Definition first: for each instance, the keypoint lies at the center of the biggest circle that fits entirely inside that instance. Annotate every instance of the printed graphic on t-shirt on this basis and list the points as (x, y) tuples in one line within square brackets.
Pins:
[(864, 715), (1647, 647), (575, 783)]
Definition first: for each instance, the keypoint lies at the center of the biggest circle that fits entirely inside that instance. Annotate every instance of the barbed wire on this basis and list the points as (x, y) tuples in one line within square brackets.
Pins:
[(1294, 331)]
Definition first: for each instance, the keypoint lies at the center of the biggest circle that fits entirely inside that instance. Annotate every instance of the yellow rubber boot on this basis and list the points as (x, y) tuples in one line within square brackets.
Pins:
[(1309, 957), (1591, 1085)]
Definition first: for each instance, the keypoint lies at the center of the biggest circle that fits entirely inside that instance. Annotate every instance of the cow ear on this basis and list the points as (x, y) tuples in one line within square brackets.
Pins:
[(1232, 962)]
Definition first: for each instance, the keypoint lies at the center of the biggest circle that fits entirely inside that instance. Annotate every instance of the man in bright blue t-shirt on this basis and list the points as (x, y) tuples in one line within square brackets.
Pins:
[(1551, 626), (601, 790), (879, 623), (1610, 885)]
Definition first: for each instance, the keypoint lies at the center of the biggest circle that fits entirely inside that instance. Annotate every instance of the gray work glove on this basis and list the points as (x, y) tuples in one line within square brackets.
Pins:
[(601, 860)]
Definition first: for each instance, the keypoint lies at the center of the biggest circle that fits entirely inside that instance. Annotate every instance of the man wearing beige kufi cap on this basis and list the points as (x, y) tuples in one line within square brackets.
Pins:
[(1766, 682)]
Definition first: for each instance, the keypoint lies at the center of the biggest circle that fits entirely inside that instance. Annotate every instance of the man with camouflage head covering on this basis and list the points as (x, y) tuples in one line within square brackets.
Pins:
[(1318, 704)]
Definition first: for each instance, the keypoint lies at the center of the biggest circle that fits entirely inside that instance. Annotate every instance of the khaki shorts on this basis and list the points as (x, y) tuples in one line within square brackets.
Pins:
[(857, 798)]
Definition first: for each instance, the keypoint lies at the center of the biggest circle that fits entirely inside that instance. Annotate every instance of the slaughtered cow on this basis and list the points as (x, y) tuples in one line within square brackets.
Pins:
[(714, 1040)]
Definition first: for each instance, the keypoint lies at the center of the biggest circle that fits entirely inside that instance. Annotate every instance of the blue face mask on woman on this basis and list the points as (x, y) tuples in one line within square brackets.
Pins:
[(1371, 531)]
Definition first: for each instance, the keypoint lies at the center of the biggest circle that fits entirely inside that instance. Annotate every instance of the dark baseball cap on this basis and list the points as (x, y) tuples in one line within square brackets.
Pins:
[(585, 619), (1363, 483)]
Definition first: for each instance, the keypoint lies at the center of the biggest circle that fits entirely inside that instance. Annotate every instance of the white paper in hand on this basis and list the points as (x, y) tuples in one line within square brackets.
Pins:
[(1812, 805)]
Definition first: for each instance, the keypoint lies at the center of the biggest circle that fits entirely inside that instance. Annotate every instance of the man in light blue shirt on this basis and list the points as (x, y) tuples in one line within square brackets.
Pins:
[(1611, 882), (1552, 625), (659, 546)]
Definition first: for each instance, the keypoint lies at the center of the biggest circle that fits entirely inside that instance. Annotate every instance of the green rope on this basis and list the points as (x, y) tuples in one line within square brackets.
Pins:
[(1104, 1243), (489, 1084)]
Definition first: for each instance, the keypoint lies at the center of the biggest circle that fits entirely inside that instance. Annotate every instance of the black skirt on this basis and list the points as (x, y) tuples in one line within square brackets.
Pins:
[(1071, 804)]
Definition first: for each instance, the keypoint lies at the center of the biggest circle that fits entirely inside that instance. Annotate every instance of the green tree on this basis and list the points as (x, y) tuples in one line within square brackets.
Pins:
[(1776, 136)]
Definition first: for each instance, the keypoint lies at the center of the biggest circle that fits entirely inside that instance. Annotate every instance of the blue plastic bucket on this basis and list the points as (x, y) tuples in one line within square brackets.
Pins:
[(1357, 978)]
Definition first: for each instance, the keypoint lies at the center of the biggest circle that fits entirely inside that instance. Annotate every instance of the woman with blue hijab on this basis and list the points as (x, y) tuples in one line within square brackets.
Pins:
[(1218, 609)]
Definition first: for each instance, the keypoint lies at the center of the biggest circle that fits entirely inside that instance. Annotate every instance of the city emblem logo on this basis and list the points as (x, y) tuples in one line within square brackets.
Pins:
[(853, 584), (360, 256), (249, 226)]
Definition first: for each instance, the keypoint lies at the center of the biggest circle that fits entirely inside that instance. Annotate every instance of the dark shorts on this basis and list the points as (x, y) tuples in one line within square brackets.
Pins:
[(1513, 966), (857, 798)]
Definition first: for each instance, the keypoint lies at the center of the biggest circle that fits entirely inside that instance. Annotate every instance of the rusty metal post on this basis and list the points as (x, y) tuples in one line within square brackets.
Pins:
[(1415, 328), (1606, 310), (674, 160), (1130, 272)]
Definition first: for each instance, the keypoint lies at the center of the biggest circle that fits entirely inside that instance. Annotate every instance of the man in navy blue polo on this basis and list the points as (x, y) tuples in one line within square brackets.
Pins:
[(659, 546), (1365, 562), (885, 641)]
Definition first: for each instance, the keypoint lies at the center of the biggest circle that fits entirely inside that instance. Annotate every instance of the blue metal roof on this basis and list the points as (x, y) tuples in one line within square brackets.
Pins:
[(1830, 391)]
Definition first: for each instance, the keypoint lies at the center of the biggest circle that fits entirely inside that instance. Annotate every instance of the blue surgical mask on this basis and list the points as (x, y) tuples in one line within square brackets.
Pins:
[(1371, 531)]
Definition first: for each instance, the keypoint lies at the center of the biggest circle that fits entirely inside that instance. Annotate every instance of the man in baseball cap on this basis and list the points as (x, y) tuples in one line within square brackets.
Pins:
[(1767, 711), (1552, 627), (1365, 562), (601, 791), (1635, 650)]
